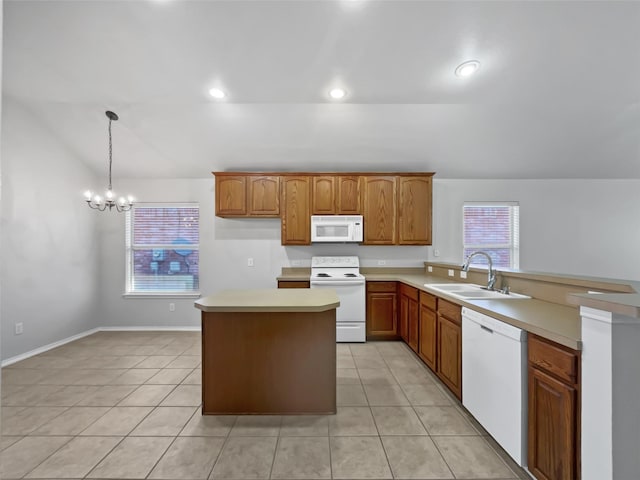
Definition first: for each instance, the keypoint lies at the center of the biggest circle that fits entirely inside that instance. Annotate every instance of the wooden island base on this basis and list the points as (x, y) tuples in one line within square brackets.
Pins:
[(269, 362)]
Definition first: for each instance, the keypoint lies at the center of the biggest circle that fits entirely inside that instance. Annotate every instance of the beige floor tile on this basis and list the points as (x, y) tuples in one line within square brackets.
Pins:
[(256, 426), (208, 425), (415, 457), (106, 396), (364, 350), (68, 396), (31, 395), (64, 377), (164, 421), (385, 395), (427, 395), (343, 349), (194, 378), (133, 458), (352, 421), (472, 457), (391, 349), (444, 421), (169, 376), (397, 421), (119, 421), (172, 350), (345, 361), (245, 458), (147, 396), (358, 458), (350, 395), (22, 376), (76, 458), (24, 455), (412, 375), (376, 376), (126, 361), (156, 361), (188, 458), (369, 362), (403, 361), (98, 376), (305, 426), (347, 376), (72, 421), (185, 361), (26, 420), (9, 390), (135, 376), (302, 458), (184, 396), (6, 441)]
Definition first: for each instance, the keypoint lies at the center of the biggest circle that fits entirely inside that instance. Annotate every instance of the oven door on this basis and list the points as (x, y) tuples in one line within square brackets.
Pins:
[(350, 315)]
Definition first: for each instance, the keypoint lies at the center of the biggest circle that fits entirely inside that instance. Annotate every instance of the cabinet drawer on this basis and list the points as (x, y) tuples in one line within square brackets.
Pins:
[(428, 300), (293, 284), (450, 310), (408, 291), (553, 359), (382, 287)]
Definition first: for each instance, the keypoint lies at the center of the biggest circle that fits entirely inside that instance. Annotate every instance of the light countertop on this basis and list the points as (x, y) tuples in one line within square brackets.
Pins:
[(270, 300)]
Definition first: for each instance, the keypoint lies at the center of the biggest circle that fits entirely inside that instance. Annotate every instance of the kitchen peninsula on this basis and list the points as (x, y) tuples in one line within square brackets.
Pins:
[(269, 352)]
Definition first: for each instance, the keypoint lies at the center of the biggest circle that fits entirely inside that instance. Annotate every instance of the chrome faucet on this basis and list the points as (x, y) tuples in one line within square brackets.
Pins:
[(491, 278)]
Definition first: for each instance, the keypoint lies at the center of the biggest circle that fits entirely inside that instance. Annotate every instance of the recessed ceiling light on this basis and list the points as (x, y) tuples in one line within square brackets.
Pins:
[(337, 93), (217, 93), (467, 68)]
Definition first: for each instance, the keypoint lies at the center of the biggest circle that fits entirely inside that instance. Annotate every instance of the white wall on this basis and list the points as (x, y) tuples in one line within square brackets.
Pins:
[(579, 227), (49, 269)]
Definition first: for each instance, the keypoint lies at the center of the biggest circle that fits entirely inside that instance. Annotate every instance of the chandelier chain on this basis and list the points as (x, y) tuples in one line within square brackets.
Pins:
[(110, 153)]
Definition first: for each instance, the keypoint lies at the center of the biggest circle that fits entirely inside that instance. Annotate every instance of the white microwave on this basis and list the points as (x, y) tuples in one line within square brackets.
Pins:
[(336, 228)]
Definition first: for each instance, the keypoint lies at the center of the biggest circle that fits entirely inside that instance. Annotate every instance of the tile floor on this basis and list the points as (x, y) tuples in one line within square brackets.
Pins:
[(125, 405)]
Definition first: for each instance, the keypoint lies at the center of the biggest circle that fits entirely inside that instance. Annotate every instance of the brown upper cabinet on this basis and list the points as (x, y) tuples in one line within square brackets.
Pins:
[(335, 195), (379, 210), (414, 210), (296, 221), (348, 201), (247, 195), (323, 195)]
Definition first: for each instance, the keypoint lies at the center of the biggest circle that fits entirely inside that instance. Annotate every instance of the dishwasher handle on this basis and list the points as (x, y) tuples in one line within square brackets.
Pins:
[(486, 329)]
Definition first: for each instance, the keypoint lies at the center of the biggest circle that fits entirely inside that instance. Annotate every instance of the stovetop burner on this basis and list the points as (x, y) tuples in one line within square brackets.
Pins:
[(350, 275), (323, 275)]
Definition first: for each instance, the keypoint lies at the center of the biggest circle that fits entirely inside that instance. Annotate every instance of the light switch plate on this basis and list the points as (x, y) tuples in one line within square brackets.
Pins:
[(463, 274)]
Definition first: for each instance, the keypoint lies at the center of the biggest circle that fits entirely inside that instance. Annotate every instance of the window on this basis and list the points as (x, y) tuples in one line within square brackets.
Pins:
[(492, 228), (163, 249)]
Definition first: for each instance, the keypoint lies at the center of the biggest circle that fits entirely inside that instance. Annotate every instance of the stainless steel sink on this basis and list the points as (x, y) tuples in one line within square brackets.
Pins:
[(471, 291)]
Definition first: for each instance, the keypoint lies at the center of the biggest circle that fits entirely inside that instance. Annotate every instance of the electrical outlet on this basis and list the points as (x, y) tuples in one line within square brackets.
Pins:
[(382, 262), (451, 274), (430, 269), (172, 307), (19, 328), (436, 253), (249, 262), (463, 274)]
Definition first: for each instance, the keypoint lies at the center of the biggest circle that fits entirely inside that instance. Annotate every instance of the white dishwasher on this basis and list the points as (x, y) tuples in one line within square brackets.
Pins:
[(494, 379)]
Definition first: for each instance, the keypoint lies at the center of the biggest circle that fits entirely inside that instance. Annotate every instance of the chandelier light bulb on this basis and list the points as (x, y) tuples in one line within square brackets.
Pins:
[(97, 199), (121, 201), (130, 199), (109, 195), (88, 194)]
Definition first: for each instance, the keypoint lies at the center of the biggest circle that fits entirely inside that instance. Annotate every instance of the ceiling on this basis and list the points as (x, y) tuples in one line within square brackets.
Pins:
[(557, 94)]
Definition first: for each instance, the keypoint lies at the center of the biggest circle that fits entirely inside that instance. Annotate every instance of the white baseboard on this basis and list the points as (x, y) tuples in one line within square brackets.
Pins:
[(59, 343)]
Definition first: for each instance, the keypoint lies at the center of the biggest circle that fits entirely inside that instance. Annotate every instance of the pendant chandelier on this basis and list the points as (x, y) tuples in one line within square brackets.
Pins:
[(109, 202)]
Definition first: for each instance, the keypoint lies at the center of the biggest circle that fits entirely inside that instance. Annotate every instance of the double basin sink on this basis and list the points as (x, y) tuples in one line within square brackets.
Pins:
[(471, 291)]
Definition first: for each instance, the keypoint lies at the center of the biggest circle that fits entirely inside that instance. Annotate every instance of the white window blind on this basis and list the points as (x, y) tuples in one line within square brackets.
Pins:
[(493, 228), (162, 244)]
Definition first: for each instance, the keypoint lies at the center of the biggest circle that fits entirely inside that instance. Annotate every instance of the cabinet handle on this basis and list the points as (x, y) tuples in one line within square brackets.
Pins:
[(486, 328)]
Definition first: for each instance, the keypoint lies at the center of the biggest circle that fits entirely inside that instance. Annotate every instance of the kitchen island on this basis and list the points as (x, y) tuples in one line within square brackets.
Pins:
[(269, 352)]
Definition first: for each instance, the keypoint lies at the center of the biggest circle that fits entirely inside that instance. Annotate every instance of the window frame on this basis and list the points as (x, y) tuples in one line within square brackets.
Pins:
[(130, 248), (514, 233)]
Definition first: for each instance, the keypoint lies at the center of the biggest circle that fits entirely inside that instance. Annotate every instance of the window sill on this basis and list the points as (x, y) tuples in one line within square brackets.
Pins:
[(148, 295)]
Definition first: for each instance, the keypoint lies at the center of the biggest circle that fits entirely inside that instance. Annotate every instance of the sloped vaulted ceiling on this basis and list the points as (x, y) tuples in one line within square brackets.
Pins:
[(557, 94)]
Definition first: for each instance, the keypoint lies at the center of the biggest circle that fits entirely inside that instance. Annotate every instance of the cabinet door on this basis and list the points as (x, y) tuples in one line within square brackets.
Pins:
[(231, 196), (264, 196), (348, 195), (296, 219), (427, 336), (382, 317), (552, 425), (323, 201), (414, 325), (293, 284), (379, 210), (414, 211), (404, 318), (449, 348)]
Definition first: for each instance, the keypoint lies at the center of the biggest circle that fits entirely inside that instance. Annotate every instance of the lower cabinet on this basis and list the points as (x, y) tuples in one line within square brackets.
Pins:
[(428, 330), (293, 284), (449, 346), (554, 425), (409, 316), (382, 312)]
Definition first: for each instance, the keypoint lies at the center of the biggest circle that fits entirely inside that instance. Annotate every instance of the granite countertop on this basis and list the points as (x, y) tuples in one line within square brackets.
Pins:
[(559, 323), (270, 300)]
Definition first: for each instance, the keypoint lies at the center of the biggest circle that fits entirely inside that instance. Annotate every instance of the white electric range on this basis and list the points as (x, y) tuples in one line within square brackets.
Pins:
[(342, 274)]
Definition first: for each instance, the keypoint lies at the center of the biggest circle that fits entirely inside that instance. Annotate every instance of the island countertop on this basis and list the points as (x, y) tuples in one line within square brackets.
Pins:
[(270, 300)]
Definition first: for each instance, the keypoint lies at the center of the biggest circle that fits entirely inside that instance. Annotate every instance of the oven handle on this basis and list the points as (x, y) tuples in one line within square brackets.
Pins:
[(338, 283)]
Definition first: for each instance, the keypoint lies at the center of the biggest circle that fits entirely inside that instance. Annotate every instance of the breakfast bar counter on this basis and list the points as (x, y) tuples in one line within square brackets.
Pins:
[(269, 351)]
